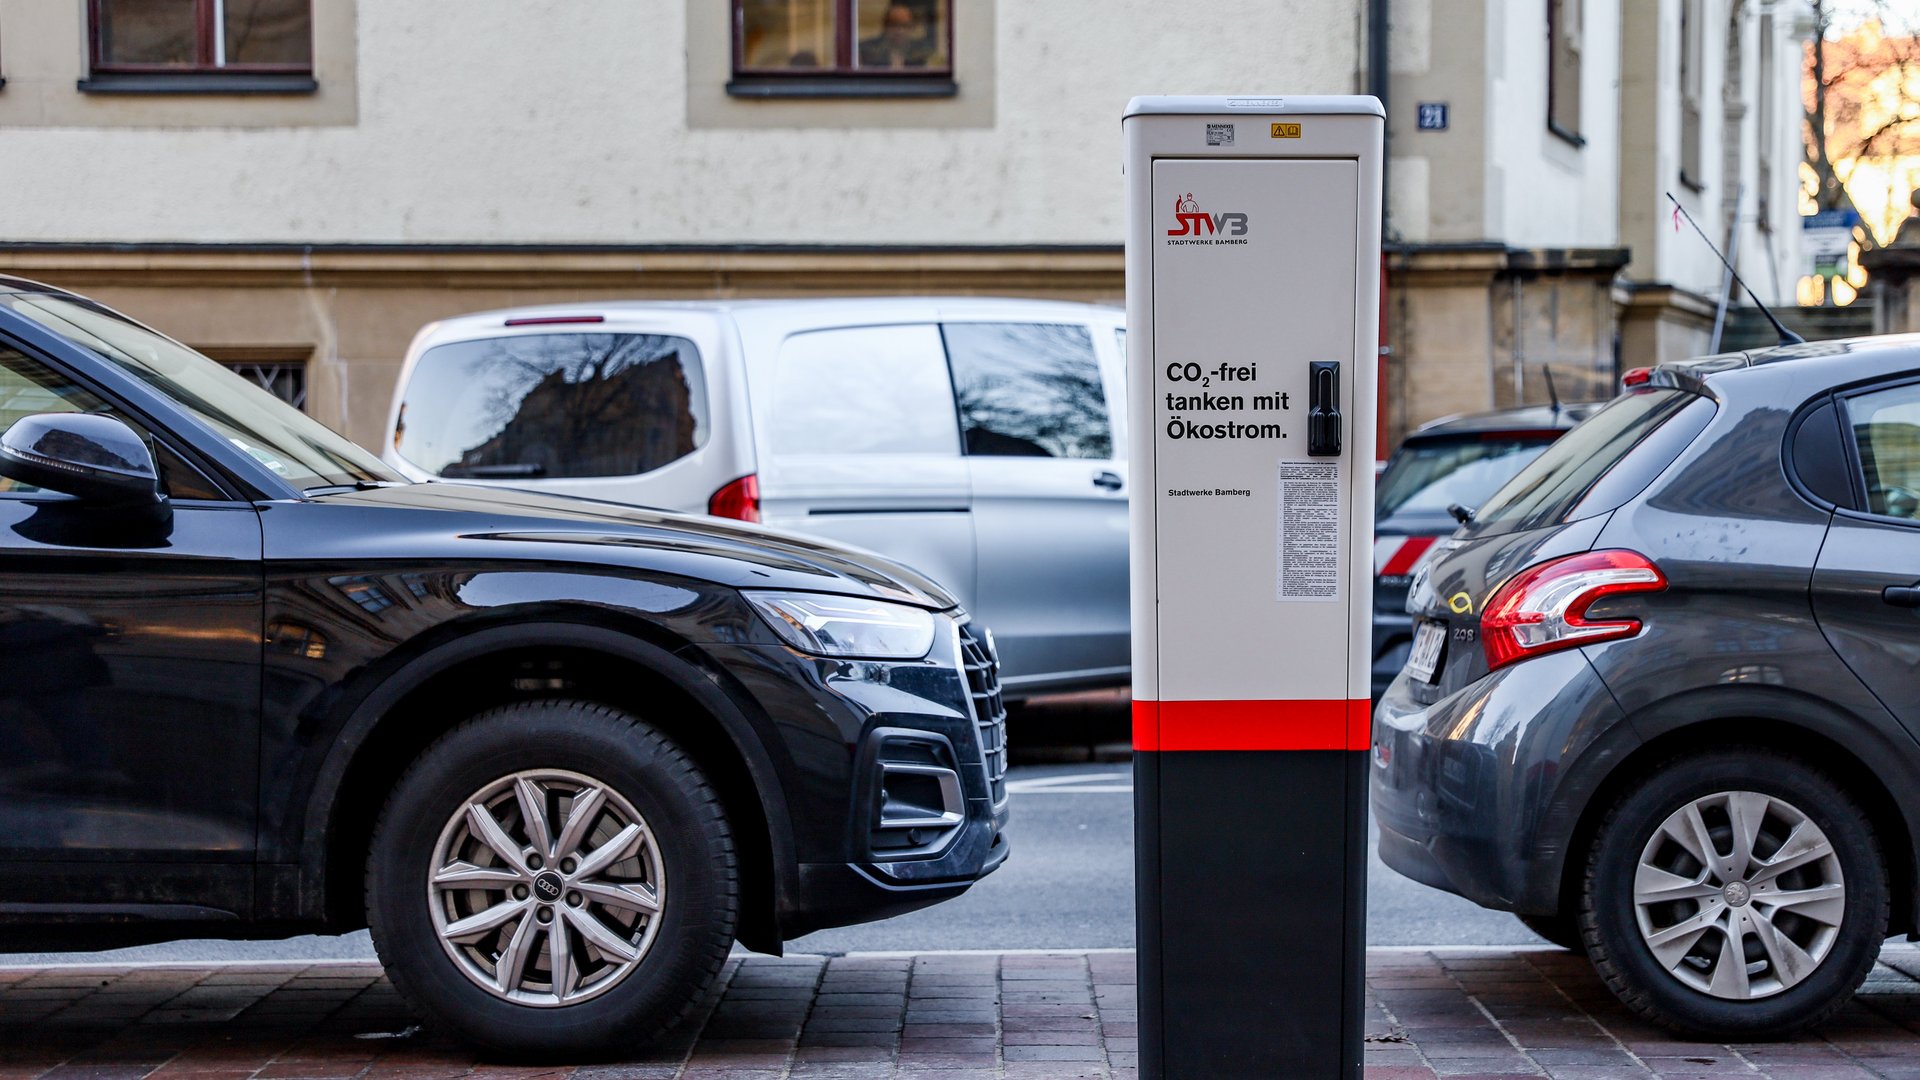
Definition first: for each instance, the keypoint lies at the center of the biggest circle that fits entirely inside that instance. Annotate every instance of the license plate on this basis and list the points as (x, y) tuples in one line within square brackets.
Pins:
[(1428, 641)]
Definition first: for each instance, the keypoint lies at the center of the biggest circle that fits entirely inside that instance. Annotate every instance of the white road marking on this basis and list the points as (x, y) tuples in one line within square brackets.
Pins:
[(1074, 784)]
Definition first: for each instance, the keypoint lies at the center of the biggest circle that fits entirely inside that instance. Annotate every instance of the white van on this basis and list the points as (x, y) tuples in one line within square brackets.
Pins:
[(978, 440)]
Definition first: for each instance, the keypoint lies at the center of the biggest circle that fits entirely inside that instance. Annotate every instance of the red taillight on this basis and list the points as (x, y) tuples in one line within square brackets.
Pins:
[(1639, 376), (1544, 607), (739, 500), (555, 320)]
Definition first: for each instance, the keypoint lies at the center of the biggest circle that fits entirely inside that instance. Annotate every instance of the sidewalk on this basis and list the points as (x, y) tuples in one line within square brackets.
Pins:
[(1490, 1014)]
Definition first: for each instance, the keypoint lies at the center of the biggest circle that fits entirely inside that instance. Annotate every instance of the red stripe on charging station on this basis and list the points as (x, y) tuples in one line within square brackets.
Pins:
[(1253, 725)]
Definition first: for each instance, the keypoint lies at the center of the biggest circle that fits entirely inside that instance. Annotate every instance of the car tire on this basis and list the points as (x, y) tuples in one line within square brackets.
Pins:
[(1661, 915), (1561, 930), (473, 917)]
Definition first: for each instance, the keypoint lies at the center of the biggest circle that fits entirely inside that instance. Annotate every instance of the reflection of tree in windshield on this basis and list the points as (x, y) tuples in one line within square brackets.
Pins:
[(1029, 390), (581, 405)]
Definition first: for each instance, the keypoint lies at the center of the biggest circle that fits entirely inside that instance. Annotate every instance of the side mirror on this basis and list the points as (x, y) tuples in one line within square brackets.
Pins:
[(92, 457)]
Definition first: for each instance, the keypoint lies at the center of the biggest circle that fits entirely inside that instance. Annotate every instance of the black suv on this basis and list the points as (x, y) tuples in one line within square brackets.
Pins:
[(1662, 697), (559, 755)]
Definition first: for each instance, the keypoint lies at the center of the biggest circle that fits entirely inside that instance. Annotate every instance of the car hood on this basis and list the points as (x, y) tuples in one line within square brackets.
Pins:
[(474, 521)]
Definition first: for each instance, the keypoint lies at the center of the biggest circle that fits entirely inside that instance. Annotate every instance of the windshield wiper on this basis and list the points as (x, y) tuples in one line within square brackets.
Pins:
[(355, 485), (489, 472)]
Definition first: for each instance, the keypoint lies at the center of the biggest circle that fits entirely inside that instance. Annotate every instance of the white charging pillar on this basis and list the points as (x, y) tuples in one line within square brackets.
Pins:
[(1253, 272)]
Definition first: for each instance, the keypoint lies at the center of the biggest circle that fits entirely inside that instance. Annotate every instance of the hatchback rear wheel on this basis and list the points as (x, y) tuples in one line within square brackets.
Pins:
[(1734, 894), (553, 877)]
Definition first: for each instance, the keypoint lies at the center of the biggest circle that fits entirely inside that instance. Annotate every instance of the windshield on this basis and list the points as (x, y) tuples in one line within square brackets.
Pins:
[(1428, 475), (1548, 490), (297, 448)]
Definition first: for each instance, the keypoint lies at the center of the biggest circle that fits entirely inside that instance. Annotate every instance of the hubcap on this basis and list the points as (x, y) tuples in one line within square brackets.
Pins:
[(1739, 895), (546, 888)]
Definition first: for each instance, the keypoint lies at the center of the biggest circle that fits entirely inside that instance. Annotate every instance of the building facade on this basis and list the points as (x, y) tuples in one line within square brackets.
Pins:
[(1533, 147), (431, 159), (296, 186)]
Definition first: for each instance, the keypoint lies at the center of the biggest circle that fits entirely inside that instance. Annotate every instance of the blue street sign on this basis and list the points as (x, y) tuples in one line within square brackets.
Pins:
[(1825, 219), (1433, 116)]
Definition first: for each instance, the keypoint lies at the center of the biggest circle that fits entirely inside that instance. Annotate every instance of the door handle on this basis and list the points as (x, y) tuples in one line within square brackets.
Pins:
[(1109, 480), (1901, 595), (1323, 408)]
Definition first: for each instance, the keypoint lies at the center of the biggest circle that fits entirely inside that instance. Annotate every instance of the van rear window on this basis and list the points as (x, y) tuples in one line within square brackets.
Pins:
[(553, 405)]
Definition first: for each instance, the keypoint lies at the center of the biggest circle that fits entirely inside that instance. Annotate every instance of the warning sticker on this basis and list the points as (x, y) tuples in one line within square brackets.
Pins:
[(1309, 533)]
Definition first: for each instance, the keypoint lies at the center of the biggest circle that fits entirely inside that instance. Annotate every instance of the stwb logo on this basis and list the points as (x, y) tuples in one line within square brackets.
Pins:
[(1190, 221)]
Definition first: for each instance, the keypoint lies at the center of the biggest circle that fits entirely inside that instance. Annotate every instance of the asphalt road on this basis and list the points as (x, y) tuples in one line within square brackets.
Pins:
[(1068, 884)]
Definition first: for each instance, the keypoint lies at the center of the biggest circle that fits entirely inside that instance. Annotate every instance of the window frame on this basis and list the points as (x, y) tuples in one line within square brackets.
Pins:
[(844, 78), (1692, 87), (1556, 9), (1767, 108), (207, 33), (237, 358), (158, 437), (1850, 443)]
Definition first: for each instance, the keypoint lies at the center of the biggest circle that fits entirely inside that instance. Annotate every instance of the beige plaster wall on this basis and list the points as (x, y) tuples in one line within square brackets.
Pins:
[(1542, 190), (567, 121), (1438, 178), (1660, 326)]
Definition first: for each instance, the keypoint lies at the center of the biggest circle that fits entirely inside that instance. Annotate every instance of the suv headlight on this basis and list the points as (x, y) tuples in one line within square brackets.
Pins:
[(846, 626)]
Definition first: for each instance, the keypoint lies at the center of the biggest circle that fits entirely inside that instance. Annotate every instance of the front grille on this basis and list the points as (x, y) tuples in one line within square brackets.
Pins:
[(982, 666)]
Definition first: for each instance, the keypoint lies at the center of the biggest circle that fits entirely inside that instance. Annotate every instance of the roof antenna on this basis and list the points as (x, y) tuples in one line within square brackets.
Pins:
[(1787, 337), (1552, 394)]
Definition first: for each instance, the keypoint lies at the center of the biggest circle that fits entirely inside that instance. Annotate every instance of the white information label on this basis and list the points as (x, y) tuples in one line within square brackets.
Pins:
[(1309, 531)]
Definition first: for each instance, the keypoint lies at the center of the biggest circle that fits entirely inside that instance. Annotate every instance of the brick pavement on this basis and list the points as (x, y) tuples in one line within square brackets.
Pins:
[(1476, 1015)]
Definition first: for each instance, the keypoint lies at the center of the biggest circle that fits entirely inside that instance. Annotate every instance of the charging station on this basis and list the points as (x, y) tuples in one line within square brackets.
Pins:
[(1253, 272)]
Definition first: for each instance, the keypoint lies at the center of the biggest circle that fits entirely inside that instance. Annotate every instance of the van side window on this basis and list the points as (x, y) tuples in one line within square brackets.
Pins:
[(553, 405), (863, 390), (1028, 390)]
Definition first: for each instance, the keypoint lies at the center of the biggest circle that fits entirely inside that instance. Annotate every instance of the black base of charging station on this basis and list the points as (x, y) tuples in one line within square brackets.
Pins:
[(1251, 909)]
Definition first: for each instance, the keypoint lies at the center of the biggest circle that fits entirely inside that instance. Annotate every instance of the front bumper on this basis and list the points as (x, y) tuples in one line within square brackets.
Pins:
[(1479, 792), (894, 775)]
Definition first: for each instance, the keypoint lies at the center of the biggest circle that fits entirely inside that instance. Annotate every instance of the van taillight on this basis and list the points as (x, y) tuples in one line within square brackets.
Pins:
[(739, 500), (1639, 376), (1544, 608)]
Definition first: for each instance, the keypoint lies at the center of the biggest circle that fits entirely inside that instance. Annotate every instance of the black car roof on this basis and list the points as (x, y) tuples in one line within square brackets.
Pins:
[(9, 283), (1525, 418)]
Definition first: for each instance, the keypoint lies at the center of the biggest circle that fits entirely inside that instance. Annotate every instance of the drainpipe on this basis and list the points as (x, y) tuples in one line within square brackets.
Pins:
[(1378, 77)]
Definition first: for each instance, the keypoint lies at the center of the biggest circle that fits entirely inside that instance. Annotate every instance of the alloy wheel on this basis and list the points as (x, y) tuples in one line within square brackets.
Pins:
[(1739, 895), (546, 888)]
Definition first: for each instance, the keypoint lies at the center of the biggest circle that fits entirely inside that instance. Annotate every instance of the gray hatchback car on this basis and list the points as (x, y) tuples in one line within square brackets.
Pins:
[(1664, 690)]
